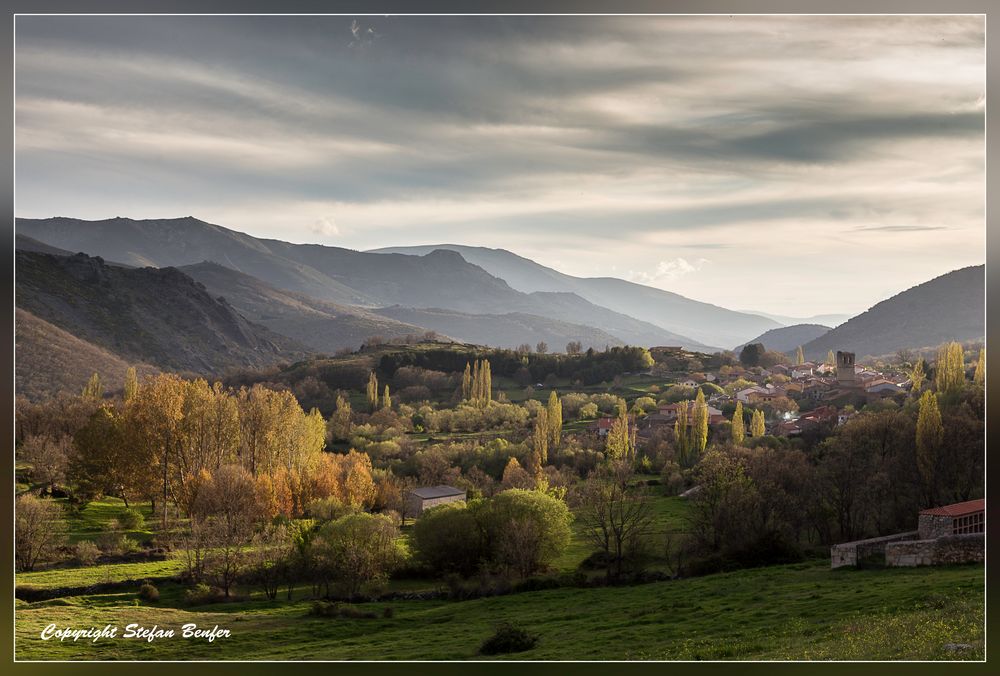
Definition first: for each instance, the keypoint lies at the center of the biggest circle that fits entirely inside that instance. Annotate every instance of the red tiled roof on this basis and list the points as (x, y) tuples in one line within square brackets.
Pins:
[(958, 509)]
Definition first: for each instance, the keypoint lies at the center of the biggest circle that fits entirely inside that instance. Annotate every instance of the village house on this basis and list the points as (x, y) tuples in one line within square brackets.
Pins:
[(420, 499), (603, 425)]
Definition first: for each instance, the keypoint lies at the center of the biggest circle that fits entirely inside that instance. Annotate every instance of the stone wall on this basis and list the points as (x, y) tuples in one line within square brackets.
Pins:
[(848, 553), (948, 549), (934, 526)]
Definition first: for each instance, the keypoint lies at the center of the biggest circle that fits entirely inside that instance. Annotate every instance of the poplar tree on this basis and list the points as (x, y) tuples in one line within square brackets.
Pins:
[(757, 428), (338, 428), (980, 376), (131, 384), (918, 375), (739, 431), (467, 382), (681, 433), (799, 357), (93, 389), (555, 420), (620, 443), (699, 425), (539, 443), (949, 372), (386, 400), (930, 436), (830, 359), (372, 391)]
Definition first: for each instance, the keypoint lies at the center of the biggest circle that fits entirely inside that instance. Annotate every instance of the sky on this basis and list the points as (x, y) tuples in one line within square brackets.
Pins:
[(788, 164)]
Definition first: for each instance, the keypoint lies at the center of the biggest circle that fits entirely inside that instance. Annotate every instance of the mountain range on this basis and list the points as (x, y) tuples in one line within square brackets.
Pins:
[(182, 294)]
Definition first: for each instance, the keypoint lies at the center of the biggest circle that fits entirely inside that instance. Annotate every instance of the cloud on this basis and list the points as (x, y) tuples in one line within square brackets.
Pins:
[(325, 227), (668, 271)]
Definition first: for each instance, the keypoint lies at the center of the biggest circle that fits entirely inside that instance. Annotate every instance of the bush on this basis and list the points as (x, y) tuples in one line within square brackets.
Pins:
[(202, 594), (131, 519), (388, 612), (116, 544), (149, 592), (508, 638), (86, 552), (345, 610), (447, 538)]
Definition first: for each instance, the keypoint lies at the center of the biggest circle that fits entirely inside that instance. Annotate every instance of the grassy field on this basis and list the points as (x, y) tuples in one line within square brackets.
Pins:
[(801, 611)]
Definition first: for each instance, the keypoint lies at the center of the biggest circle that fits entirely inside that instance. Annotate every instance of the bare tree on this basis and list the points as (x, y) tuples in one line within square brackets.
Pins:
[(38, 530), (616, 516)]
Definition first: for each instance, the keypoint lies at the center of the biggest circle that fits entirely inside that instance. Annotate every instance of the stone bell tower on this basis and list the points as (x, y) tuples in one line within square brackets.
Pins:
[(845, 369)]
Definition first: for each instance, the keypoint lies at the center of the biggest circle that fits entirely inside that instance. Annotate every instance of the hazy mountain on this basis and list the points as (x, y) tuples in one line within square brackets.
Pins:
[(787, 338), (949, 307), (50, 360), (506, 330), (440, 279), (830, 320), (322, 325), (702, 322), (156, 315)]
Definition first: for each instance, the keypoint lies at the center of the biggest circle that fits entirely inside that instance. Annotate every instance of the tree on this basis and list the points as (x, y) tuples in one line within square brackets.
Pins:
[(757, 428), (699, 425), (539, 444), (751, 354), (682, 443), (574, 347), (523, 348), (447, 539), (620, 441), (338, 428), (527, 530), (386, 400), (38, 528), (615, 516), (93, 389), (830, 359), (372, 391), (918, 375), (738, 430), (555, 420), (357, 550), (103, 460), (542, 347), (799, 357), (48, 457), (514, 476), (467, 382), (980, 376), (949, 371), (131, 386), (930, 436)]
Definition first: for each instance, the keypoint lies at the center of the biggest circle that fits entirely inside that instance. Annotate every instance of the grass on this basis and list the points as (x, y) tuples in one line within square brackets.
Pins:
[(85, 576), (801, 611)]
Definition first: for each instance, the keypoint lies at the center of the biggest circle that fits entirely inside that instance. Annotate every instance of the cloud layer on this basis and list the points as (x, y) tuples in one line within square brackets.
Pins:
[(819, 163)]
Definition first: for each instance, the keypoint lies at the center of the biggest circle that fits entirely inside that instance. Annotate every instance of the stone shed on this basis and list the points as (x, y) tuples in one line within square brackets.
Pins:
[(419, 499), (961, 518)]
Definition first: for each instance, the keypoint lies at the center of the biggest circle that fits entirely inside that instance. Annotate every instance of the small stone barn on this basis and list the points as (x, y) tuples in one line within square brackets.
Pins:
[(419, 499), (958, 519)]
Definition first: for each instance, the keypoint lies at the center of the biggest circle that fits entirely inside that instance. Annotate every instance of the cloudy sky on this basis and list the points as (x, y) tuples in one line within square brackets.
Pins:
[(794, 165)]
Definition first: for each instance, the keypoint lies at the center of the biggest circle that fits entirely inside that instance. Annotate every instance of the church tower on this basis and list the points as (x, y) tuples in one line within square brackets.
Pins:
[(845, 369)]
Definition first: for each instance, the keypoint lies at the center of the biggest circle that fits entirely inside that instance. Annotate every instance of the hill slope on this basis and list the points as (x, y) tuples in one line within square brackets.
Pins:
[(949, 307), (50, 360), (321, 325), (160, 316), (787, 338), (703, 322), (506, 330)]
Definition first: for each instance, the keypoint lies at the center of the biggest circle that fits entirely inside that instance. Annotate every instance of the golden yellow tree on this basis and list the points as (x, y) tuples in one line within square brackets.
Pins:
[(739, 431)]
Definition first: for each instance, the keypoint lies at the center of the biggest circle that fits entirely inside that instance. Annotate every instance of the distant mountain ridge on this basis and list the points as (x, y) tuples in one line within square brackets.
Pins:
[(441, 279), (948, 307), (703, 322)]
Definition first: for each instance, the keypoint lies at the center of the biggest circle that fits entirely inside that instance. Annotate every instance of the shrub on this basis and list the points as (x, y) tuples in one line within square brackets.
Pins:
[(86, 552), (345, 610), (131, 519), (388, 612), (116, 544), (149, 592), (508, 638), (201, 594)]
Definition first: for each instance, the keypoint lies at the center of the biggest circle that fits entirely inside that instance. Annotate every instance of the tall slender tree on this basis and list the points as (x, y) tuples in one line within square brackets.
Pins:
[(682, 444), (555, 420), (372, 391), (757, 427), (980, 376), (917, 375), (131, 384), (93, 389), (539, 444), (799, 357), (386, 400), (699, 425), (930, 437), (830, 359), (467, 382), (620, 442), (739, 430)]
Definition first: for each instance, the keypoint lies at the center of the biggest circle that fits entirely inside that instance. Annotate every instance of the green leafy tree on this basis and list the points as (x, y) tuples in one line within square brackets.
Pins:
[(738, 429), (527, 530), (949, 372), (918, 375), (699, 425), (751, 354), (358, 550), (372, 391), (980, 376), (620, 441), (467, 382), (539, 444), (386, 399), (682, 444), (338, 428), (799, 357), (555, 420)]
